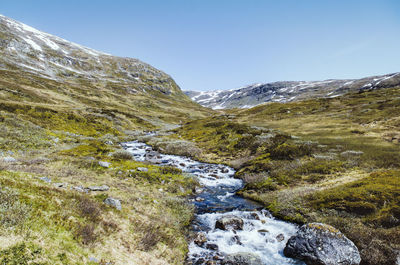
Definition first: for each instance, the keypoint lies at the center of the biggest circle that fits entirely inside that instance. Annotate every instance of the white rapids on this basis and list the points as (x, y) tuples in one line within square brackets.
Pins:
[(262, 235)]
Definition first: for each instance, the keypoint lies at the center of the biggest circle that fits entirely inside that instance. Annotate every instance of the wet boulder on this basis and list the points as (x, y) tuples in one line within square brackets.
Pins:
[(211, 246), (200, 239), (242, 258), (229, 222), (280, 237), (321, 244)]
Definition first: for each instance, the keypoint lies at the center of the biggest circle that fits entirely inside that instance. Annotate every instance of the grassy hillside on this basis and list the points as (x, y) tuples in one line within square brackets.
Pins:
[(53, 134), (327, 160)]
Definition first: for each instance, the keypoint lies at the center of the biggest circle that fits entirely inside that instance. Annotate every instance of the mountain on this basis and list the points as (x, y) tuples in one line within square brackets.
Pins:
[(253, 95), (64, 110), (39, 68)]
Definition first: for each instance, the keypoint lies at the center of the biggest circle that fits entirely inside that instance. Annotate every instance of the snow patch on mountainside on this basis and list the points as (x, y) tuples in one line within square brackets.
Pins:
[(255, 94)]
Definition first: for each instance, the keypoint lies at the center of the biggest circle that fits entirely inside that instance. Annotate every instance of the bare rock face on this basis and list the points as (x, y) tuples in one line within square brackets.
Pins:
[(229, 222), (321, 244)]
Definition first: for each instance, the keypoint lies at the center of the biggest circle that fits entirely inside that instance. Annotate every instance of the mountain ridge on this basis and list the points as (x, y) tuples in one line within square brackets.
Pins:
[(39, 68), (287, 91)]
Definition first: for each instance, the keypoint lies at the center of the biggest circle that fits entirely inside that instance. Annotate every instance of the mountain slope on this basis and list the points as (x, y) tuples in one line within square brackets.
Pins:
[(36, 67), (253, 95), (64, 110)]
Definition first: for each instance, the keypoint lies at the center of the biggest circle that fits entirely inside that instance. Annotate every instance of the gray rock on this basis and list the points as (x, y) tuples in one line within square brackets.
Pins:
[(45, 179), (280, 237), (321, 244), (229, 222), (351, 153), (80, 189), (212, 246), (92, 259), (104, 164), (99, 188), (143, 169), (224, 170), (109, 142), (242, 258), (60, 185), (200, 239), (113, 203), (9, 159)]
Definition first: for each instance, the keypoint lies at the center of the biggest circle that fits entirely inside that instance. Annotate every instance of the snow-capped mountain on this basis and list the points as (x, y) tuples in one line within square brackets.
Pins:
[(25, 48), (253, 95)]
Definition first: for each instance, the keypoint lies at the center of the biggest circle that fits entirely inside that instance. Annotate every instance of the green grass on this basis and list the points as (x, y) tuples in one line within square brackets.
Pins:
[(320, 160)]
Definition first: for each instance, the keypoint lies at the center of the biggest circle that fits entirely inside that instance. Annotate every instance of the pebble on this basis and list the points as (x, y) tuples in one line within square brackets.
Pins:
[(104, 164)]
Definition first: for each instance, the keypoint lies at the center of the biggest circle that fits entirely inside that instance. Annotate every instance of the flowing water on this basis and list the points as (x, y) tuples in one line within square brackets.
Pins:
[(261, 235)]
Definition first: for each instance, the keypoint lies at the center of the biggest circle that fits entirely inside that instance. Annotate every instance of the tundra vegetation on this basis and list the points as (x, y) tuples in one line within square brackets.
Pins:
[(330, 160), (52, 137)]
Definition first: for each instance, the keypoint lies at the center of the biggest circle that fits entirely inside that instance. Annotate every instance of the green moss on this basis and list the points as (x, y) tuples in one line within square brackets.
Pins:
[(91, 148), (376, 195), (21, 254)]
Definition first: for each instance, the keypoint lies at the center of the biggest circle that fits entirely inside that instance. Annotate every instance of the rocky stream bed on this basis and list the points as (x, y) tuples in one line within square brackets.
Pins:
[(232, 230)]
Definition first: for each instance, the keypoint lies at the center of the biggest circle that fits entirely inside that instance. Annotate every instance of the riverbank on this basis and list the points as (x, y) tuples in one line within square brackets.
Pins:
[(322, 160)]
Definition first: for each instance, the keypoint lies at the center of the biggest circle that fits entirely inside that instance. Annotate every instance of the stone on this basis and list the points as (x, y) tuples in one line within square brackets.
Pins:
[(200, 239), (263, 231), (236, 239), (280, 237), (242, 258), (60, 185), (351, 153), (321, 244), (104, 164), (99, 188), (113, 203), (45, 179), (211, 246), (199, 190), (199, 199), (80, 189), (224, 170), (254, 216), (229, 222), (92, 259), (9, 159), (143, 169)]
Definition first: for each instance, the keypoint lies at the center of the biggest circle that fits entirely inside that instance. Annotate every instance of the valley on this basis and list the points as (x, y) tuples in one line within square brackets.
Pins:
[(81, 181)]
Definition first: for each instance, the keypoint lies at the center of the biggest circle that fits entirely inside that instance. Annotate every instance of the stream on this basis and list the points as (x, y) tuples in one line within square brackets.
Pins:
[(261, 235)]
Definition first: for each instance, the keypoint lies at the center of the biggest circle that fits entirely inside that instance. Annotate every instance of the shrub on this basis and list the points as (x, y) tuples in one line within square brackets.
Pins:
[(290, 151), (122, 154), (86, 233), (20, 254), (89, 208), (12, 211)]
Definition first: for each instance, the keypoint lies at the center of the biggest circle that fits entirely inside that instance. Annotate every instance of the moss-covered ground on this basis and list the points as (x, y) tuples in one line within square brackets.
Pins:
[(332, 160)]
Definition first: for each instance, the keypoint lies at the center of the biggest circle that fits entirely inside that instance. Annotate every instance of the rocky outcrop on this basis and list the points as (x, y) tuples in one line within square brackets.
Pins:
[(321, 244)]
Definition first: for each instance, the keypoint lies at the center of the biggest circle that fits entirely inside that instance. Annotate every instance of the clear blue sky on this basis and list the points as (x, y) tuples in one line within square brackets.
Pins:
[(224, 44)]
